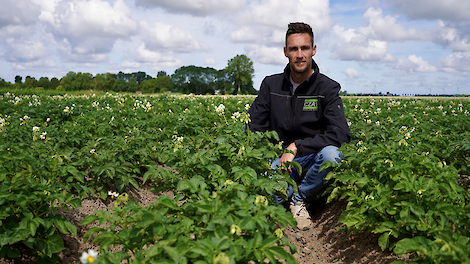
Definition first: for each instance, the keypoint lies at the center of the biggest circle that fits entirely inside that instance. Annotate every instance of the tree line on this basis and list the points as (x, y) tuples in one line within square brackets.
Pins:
[(236, 78)]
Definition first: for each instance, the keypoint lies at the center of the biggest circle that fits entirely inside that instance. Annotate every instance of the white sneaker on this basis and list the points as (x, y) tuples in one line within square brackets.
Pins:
[(300, 213)]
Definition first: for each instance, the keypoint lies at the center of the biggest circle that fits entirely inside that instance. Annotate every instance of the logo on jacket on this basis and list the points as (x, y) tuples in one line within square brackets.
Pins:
[(310, 105)]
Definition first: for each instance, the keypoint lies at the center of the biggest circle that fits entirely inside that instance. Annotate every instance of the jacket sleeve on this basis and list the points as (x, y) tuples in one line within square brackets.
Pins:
[(259, 110), (336, 131)]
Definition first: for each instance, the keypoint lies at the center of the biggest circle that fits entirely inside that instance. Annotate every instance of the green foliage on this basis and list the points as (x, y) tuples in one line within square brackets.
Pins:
[(399, 176), (240, 70)]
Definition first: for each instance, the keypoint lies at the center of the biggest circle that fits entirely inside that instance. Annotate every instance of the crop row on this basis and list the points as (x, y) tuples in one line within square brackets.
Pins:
[(399, 177)]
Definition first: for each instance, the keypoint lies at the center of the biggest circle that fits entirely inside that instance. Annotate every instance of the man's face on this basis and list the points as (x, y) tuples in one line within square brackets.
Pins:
[(299, 50)]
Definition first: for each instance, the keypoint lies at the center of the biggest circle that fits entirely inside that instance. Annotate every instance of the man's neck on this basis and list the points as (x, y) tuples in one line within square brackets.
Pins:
[(300, 77)]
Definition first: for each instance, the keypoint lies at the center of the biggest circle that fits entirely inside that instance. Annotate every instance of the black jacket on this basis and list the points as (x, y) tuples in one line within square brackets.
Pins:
[(312, 117)]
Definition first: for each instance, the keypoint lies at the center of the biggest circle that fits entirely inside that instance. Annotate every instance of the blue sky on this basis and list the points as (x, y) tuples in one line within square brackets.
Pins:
[(396, 46)]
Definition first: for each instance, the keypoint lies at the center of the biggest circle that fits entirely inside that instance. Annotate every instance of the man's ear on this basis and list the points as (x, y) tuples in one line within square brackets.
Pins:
[(285, 51)]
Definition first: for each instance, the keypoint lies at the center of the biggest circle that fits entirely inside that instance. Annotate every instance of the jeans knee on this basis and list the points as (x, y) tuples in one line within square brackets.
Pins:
[(331, 153)]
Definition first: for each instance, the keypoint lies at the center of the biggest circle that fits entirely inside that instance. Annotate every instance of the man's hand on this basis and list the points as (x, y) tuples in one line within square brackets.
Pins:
[(288, 156)]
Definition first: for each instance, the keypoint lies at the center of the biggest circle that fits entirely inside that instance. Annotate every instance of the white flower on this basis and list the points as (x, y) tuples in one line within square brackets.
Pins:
[(43, 135), (92, 151), (113, 194), (66, 109), (247, 106), (220, 108), (236, 115), (35, 129), (180, 139), (377, 123), (48, 120), (88, 257), (169, 111), (369, 121)]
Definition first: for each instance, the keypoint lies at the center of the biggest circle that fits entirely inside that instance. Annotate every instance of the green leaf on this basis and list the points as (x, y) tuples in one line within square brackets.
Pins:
[(55, 244), (89, 219), (383, 240)]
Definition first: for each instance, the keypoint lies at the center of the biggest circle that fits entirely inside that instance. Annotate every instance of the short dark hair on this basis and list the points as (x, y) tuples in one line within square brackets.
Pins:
[(299, 27)]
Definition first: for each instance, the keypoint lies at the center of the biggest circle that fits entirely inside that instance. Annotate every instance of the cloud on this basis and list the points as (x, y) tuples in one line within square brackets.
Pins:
[(244, 34), (93, 18), (352, 73), (452, 10), (278, 13), (18, 12), (454, 36), (263, 23), (24, 51), (209, 61), (457, 62), (38, 65), (143, 55), (351, 45), (266, 55), (167, 37), (85, 31), (414, 64), (195, 7), (386, 28)]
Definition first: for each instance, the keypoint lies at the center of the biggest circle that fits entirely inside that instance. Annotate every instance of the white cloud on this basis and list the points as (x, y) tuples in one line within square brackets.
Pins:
[(352, 73), (350, 45), (279, 13), (457, 62), (454, 36), (24, 51), (195, 7), (434, 9), (39, 65), (93, 18), (414, 64), (143, 55), (130, 64), (86, 30), (18, 12), (244, 34), (386, 28), (266, 55), (167, 37), (209, 61)]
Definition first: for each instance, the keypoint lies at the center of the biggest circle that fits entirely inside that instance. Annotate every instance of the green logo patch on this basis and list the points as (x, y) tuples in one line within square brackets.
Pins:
[(310, 105)]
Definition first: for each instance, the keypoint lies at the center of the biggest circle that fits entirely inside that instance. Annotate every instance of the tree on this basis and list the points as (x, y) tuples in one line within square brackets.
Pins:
[(30, 82), (197, 80), (18, 79), (132, 85), (241, 72), (77, 81), (54, 83), (44, 83), (120, 85), (163, 83), (149, 86), (162, 74), (4, 84)]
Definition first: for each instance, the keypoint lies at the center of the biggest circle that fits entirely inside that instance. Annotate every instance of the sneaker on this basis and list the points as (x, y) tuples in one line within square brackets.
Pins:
[(300, 213)]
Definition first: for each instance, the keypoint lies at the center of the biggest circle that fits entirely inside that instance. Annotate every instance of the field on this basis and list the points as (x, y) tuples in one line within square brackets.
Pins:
[(178, 180)]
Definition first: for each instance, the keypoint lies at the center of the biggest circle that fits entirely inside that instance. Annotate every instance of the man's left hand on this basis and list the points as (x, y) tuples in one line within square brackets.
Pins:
[(288, 157)]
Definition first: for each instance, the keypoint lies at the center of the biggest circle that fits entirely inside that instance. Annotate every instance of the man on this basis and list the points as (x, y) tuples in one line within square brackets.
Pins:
[(303, 106)]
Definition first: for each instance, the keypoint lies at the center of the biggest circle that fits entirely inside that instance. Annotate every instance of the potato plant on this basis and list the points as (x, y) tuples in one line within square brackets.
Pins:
[(400, 177)]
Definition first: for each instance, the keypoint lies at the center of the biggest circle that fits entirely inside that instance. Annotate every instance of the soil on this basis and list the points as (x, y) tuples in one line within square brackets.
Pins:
[(320, 243)]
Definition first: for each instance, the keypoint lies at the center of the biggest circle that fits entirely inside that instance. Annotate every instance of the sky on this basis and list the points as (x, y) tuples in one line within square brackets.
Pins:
[(368, 46)]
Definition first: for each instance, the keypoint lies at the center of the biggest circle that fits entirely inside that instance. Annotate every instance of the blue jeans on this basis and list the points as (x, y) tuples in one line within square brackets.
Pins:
[(312, 182)]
